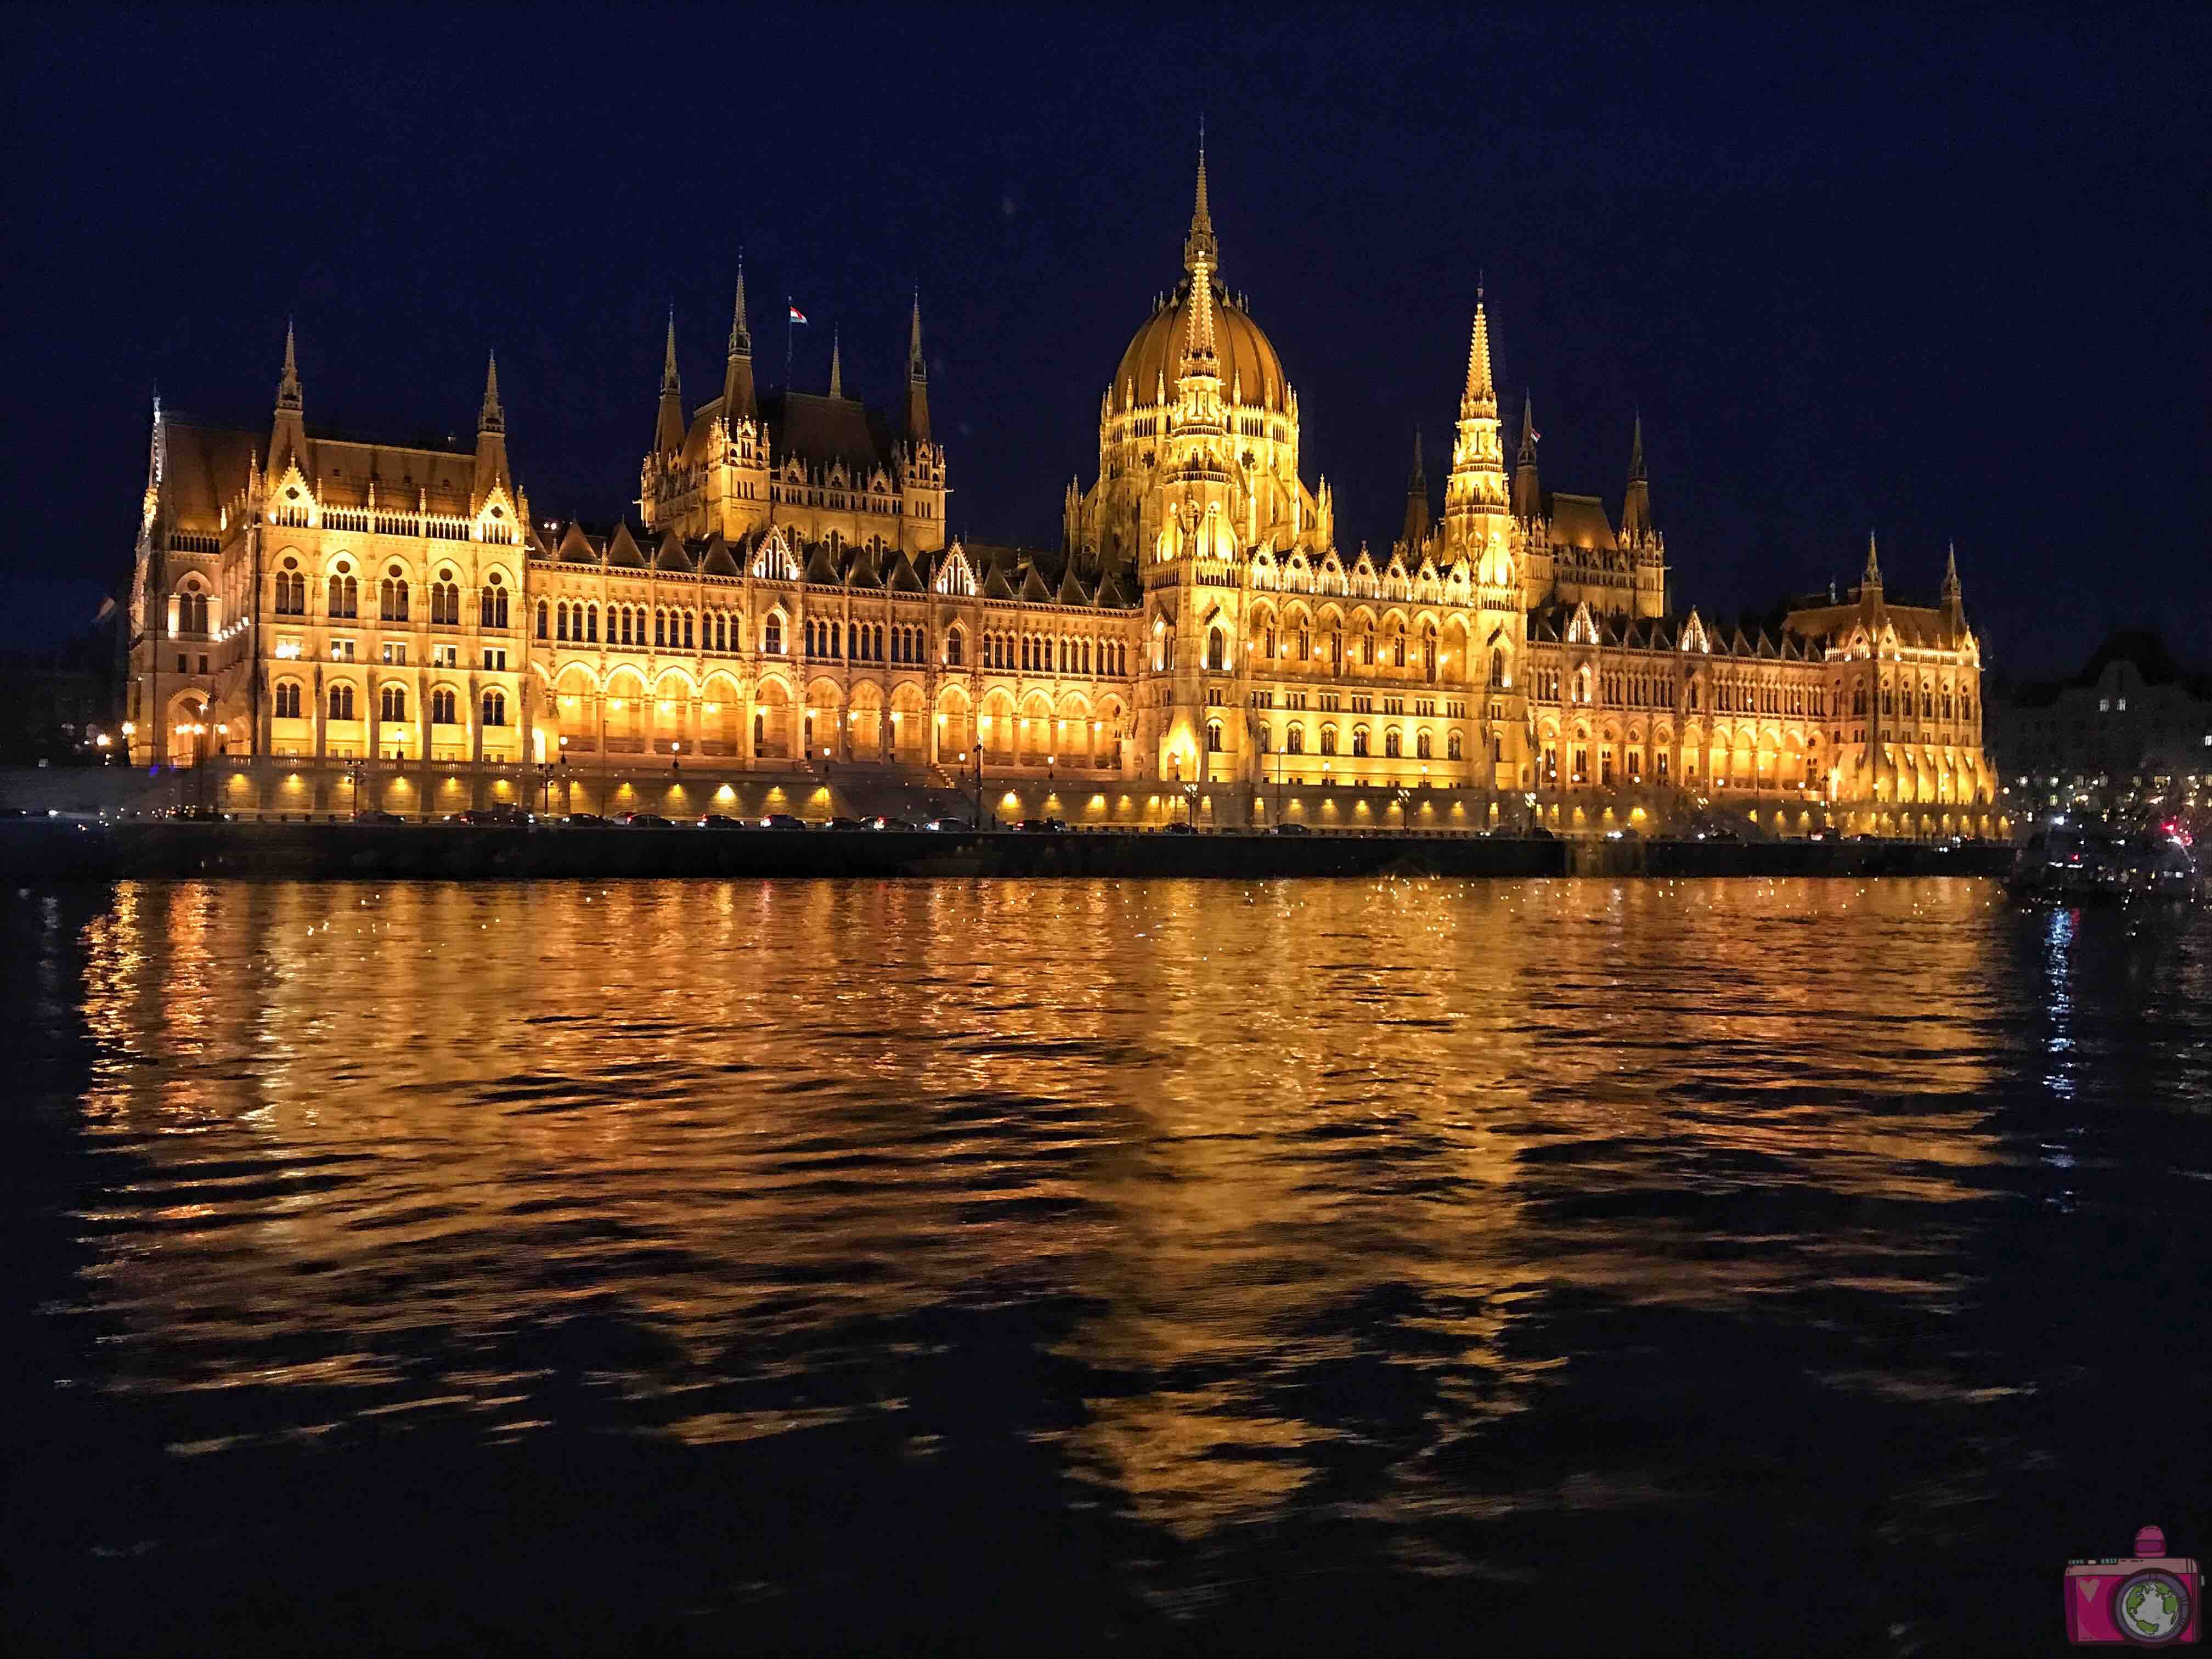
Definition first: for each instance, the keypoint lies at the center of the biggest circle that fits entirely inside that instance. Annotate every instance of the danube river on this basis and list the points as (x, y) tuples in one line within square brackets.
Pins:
[(1552, 1266)]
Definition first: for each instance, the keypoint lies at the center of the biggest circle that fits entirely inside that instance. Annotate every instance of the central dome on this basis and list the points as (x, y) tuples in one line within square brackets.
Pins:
[(1246, 357)]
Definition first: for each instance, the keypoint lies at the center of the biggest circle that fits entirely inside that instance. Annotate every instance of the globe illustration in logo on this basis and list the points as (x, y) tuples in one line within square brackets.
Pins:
[(2151, 1606)]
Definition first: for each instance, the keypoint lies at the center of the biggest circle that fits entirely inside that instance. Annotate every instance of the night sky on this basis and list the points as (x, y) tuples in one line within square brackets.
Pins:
[(1937, 275)]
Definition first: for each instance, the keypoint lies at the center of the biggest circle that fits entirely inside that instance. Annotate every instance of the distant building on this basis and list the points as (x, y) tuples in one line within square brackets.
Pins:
[(348, 624), (56, 706), (2133, 727)]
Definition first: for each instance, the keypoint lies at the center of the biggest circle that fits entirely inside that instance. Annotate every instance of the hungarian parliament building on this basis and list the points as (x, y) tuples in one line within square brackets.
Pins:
[(332, 626)]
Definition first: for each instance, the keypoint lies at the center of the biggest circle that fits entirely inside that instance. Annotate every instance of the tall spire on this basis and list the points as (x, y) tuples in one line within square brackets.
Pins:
[(917, 379), (493, 418), (737, 369), (668, 433), (836, 367), (287, 433), (1480, 397), (288, 383), (1199, 243), (1528, 495), (1871, 576), (741, 335), (1416, 528), (1635, 511)]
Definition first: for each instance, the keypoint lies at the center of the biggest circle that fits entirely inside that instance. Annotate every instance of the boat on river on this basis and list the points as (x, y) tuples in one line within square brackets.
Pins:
[(2076, 864)]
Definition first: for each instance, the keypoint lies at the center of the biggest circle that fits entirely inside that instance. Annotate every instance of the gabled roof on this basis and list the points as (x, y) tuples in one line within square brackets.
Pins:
[(1034, 590), (1112, 596), (1579, 521), (821, 568), (1071, 591)]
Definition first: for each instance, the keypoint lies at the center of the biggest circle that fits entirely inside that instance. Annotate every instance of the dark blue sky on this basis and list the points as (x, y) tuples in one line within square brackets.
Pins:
[(1939, 274)]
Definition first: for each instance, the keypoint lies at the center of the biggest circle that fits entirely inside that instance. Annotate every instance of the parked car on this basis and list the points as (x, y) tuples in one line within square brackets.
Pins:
[(949, 826), (582, 819), (483, 815), (1181, 828), (1040, 826), (1292, 829), (375, 817), (195, 814), (882, 821), (782, 821), (648, 821), (721, 821), (844, 823)]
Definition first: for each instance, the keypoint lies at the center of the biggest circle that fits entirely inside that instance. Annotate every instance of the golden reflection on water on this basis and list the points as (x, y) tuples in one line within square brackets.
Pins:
[(1253, 1137)]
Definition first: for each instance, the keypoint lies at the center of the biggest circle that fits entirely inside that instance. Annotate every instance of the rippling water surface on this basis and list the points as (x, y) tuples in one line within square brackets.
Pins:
[(1562, 1266)]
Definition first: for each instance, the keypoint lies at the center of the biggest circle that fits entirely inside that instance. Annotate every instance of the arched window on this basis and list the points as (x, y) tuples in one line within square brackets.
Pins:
[(392, 703), (1397, 649), (592, 623), (1328, 740), (1454, 749), (772, 636), (541, 619), (392, 594), (1497, 668), (1294, 740), (953, 646), (1422, 746), (192, 612), (342, 703), (1217, 650), (1213, 737), (291, 590), (494, 708), (445, 601), (345, 596), (688, 620), (287, 699), (494, 606), (442, 709), (1393, 744), (1429, 653), (1359, 740), (1367, 648), (660, 628)]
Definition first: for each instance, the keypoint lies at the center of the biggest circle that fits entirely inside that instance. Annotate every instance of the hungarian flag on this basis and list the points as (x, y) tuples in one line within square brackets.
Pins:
[(797, 315)]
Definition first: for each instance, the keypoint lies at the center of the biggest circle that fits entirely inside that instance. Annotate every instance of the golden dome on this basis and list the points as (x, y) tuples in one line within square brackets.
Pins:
[(1246, 355)]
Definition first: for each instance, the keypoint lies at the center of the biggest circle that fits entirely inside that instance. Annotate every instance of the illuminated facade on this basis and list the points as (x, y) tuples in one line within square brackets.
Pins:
[(790, 608)]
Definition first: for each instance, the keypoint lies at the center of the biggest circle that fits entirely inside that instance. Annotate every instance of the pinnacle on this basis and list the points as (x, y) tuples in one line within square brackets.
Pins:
[(1873, 573), (914, 358), (288, 383), (1527, 425), (836, 367), (1199, 245), (1636, 452), (741, 339), (492, 418), (1480, 394), (668, 381)]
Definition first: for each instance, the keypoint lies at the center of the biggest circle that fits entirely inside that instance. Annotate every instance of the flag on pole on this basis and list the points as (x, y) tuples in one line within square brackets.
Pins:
[(797, 315)]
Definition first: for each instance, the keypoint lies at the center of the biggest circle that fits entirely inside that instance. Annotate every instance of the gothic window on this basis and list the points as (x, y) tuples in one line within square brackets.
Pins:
[(1422, 746), (446, 600), (291, 590), (1213, 737), (1217, 650), (392, 703), (1453, 746), (836, 640), (442, 706), (592, 623), (1294, 740), (342, 703), (494, 606), (495, 709), (541, 618), (1305, 644), (1328, 740), (192, 612), (1367, 648), (1429, 654), (345, 597), (660, 628), (1397, 650), (953, 646), (772, 636), (287, 699), (1394, 744), (1359, 740)]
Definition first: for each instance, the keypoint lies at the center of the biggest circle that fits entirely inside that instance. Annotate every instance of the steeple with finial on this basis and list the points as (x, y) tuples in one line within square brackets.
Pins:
[(1199, 245), (491, 442), (1636, 510), (668, 436), (1417, 504), (288, 435), (1870, 578), (738, 395), (917, 379), (1475, 503), (1528, 495), (1955, 604), (836, 367)]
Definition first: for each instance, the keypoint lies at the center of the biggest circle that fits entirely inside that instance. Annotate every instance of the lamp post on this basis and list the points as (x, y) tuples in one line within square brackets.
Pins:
[(1405, 816), (1190, 804)]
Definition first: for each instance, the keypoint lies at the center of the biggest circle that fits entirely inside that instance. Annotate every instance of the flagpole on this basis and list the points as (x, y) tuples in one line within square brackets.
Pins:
[(788, 309)]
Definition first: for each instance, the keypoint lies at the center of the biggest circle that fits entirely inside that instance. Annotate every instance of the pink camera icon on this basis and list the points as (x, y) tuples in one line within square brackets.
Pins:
[(2147, 1600)]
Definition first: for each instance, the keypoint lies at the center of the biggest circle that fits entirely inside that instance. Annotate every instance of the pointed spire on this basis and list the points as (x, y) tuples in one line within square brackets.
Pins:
[(288, 383), (1480, 397), (1871, 576), (1528, 494), (288, 432), (1635, 511), (916, 368), (1420, 477), (493, 418), (1200, 244), (1951, 568), (836, 367), (917, 379), (668, 432), (1416, 527), (741, 335)]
